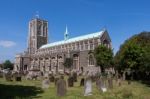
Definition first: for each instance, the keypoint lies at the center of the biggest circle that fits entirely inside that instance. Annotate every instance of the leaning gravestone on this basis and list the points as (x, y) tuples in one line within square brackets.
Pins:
[(61, 87), (70, 81), (45, 83)]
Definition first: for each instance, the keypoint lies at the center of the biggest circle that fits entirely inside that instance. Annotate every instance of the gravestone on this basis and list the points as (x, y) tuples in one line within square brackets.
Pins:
[(129, 76), (103, 85), (82, 82), (75, 76), (56, 79), (116, 77), (98, 83), (29, 76), (124, 76), (110, 81), (119, 80), (88, 85), (46, 83), (70, 81), (18, 76), (61, 87), (8, 76), (52, 78)]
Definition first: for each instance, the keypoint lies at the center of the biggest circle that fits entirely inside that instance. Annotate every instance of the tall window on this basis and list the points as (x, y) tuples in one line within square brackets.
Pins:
[(77, 44), (86, 45), (60, 65), (73, 45), (81, 45), (75, 61), (39, 26), (91, 45), (91, 60)]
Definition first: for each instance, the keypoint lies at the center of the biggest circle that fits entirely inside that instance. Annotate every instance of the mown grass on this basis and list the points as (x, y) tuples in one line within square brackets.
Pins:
[(32, 90)]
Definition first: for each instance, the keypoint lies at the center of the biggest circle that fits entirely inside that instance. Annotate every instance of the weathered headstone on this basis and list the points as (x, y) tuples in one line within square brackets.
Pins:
[(98, 83), (103, 85), (116, 77), (88, 85), (8, 76), (70, 81), (61, 87), (124, 76), (110, 83), (29, 76), (110, 80), (119, 80), (18, 76), (129, 76), (75, 76), (46, 83), (52, 78), (56, 79)]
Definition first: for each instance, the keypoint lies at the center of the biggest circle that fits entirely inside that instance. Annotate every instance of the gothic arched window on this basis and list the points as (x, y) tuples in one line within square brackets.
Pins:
[(91, 60)]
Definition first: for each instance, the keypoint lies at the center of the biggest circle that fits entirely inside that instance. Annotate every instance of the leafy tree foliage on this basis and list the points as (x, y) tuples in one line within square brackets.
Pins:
[(104, 57), (134, 54), (7, 64)]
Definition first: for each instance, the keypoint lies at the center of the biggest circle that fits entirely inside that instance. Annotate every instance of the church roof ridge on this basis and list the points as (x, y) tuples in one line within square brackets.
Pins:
[(74, 39)]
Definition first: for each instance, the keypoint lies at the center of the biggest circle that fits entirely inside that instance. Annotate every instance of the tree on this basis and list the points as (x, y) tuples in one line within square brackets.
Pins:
[(132, 57), (7, 64), (68, 63), (104, 57), (134, 54)]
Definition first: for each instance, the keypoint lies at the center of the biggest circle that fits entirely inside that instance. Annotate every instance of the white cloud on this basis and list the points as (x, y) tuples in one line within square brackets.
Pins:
[(5, 43)]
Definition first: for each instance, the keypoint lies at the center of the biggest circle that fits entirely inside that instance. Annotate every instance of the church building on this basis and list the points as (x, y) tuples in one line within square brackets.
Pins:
[(45, 57)]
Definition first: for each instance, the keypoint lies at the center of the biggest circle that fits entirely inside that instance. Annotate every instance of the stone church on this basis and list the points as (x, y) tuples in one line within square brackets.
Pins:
[(45, 57)]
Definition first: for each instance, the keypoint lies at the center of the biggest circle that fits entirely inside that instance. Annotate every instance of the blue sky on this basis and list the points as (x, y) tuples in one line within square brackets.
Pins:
[(122, 18)]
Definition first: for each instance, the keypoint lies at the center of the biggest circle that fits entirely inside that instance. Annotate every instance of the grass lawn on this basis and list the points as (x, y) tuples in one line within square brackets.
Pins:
[(32, 90)]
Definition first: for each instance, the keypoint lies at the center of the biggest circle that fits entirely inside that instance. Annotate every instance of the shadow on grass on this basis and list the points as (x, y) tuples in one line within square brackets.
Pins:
[(19, 92)]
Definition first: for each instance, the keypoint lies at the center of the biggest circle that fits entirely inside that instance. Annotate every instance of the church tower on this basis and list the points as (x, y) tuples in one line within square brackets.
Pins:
[(38, 34)]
